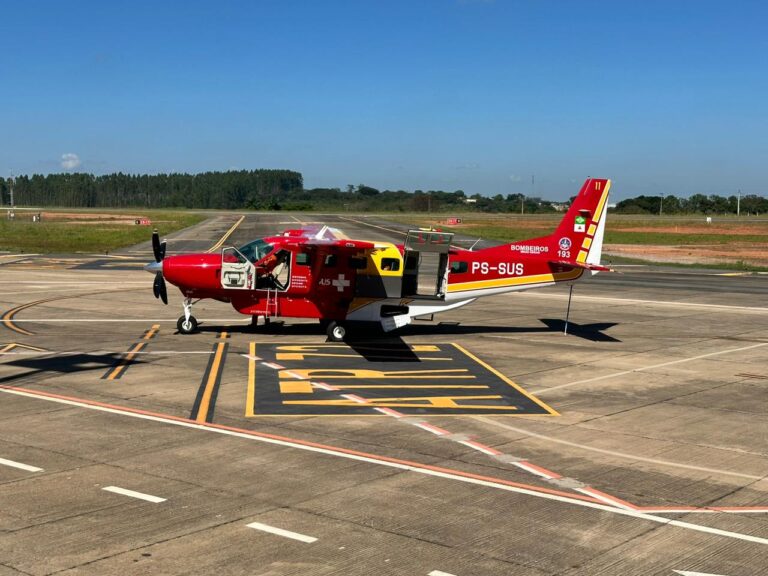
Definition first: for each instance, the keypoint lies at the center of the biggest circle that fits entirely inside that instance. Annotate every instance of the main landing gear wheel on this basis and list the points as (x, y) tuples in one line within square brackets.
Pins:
[(335, 331), (186, 326)]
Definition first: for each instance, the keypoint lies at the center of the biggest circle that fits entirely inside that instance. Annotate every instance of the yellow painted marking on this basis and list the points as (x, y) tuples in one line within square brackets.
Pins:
[(317, 347), (303, 355), (12, 345), (223, 335), (582, 257), (587, 243), (413, 386), (520, 281), (449, 402), (205, 403), (250, 393), (487, 366), (330, 373), (601, 204), (296, 387), (8, 318), (227, 234), (152, 331), (127, 360), (592, 230)]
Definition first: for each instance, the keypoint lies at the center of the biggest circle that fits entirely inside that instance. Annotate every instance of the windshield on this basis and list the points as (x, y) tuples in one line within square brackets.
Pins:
[(256, 250)]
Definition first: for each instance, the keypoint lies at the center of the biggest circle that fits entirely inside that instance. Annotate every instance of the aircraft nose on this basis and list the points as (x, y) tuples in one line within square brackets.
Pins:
[(154, 267)]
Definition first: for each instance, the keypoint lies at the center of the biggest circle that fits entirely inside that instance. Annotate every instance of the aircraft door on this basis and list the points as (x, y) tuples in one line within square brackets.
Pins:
[(426, 263), (236, 270)]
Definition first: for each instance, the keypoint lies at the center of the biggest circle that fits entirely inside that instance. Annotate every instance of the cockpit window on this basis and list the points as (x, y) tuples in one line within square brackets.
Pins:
[(256, 250)]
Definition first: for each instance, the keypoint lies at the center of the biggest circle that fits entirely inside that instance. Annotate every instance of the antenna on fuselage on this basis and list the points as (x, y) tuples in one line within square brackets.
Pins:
[(475, 244)]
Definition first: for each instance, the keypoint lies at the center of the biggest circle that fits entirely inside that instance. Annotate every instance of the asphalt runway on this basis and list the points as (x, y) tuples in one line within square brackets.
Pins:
[(636, 444)]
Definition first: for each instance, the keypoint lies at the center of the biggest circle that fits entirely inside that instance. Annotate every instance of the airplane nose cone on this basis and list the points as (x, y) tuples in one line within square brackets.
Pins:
[(154, 267)]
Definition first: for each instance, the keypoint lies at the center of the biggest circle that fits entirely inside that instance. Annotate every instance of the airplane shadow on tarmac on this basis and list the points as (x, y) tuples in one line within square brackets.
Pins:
[(372, 332), (62, 364)]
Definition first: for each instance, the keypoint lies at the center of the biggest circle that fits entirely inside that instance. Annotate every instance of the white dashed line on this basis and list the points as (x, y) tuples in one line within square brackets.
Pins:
[(372, 459), (132, 494), (281, 532), (19, 465)]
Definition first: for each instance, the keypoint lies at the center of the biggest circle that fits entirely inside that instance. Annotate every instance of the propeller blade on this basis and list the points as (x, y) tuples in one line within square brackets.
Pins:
[(157, 284), (162, 250), (163, 291), (156, 247)]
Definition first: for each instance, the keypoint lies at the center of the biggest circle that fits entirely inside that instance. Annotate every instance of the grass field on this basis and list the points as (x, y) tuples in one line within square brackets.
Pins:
[(69, 231), (727, 242)]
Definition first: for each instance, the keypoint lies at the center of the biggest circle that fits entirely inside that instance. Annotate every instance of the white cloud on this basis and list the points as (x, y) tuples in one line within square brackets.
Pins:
[(515, 178), (70, 161)]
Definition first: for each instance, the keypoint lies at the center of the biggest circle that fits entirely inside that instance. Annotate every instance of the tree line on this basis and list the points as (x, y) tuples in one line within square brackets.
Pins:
[(284, 190), (695, 204), (228, 190)]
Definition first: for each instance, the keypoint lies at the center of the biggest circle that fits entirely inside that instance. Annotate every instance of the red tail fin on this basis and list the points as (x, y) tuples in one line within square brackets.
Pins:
[(579, 237)]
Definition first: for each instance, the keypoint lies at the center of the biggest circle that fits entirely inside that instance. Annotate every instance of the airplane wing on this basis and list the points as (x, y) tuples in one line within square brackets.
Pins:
[(324, 236)]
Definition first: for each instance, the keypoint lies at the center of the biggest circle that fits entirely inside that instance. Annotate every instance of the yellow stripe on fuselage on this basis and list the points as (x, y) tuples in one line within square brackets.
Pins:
[(516, 281)]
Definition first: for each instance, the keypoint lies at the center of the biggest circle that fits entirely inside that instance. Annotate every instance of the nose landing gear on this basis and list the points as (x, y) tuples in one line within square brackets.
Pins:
[(187, 324)]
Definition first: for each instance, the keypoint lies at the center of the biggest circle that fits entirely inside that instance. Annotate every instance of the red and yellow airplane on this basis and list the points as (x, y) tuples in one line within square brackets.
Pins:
[(322, 274)]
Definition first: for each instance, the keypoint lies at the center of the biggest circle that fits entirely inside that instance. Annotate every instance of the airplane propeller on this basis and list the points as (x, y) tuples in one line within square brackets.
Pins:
[(158, 286)]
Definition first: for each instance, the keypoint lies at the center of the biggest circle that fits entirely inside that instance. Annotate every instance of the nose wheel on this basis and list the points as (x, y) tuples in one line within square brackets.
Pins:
[(186, 325)]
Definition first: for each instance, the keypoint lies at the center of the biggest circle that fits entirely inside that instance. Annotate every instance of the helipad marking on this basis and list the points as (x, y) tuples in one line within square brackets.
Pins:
[(383, 377)]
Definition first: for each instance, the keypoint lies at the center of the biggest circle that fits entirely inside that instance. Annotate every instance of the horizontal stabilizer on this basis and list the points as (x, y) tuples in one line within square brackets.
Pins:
[(583, 265)]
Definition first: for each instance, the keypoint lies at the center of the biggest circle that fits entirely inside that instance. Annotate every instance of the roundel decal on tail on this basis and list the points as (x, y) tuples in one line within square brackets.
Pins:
[(565, 243)]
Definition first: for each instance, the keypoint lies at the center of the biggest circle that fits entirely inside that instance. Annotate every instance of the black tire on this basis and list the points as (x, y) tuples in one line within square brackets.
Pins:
[(336, 332), (185, 327)]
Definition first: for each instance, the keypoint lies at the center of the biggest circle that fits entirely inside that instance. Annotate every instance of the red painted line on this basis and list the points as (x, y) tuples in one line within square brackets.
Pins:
[(390, 412), (543, 471), (273, 366), (433, 429), (355, 398), (482, 447), (610, 497), (307, 443)]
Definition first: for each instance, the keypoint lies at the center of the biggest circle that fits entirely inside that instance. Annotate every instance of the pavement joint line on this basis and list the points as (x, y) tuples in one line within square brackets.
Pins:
[(281, 532), (134, 494), (19, 465), (426, 469), (614, 453), (651, 367)]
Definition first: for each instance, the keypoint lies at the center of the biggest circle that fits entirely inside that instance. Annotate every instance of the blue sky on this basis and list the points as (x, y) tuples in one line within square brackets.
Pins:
[(661, 96)]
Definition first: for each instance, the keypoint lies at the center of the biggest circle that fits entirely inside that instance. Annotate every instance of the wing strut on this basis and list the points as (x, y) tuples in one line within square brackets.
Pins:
[(568, 311)]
